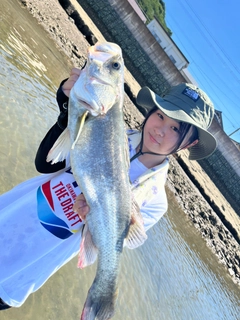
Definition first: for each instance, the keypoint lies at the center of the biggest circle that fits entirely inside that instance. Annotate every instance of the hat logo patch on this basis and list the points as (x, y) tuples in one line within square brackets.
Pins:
[(192, 94)]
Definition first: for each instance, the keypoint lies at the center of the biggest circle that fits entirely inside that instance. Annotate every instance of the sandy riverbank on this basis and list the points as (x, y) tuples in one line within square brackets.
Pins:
[(209, 211)]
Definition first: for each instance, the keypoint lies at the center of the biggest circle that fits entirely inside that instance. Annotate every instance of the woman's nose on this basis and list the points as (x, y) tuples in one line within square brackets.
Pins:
[(160, 131)]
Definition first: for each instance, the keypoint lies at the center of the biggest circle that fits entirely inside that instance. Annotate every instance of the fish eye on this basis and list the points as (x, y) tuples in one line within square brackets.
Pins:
[(116, 65)]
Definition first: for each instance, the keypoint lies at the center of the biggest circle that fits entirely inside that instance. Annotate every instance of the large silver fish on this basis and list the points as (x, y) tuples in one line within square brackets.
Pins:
[(99, 86), (100, 164)]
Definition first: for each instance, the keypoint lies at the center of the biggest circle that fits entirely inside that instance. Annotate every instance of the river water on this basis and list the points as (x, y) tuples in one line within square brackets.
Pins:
[(174, 276)]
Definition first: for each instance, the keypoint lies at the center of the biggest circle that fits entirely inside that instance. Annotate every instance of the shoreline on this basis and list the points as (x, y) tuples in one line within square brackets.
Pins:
[(209, 211)]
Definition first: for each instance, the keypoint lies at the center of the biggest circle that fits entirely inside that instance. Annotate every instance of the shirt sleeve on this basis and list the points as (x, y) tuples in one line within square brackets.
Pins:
[(41, 163), (153, 211), (52, 135)]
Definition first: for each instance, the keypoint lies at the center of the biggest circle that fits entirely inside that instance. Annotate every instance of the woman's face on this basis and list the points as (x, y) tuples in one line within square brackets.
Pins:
[(160, 133)]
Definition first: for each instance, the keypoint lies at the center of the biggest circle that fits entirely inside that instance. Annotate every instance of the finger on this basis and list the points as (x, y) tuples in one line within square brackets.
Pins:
[(81, 197), (81, 207), (75, 71), (83, 213), (78, 205), (68, 84)]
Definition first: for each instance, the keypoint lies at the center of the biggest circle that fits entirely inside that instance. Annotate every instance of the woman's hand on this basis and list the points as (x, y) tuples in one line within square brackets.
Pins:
[(67, 86), (81, 207)]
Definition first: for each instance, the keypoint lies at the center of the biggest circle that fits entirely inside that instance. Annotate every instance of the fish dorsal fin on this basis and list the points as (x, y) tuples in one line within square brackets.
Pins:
[(136, 234), (61, 148), (88, 251)]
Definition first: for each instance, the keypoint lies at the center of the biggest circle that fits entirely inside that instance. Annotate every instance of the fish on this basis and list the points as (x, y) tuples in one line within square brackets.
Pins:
[(100, 164), (99, 85)]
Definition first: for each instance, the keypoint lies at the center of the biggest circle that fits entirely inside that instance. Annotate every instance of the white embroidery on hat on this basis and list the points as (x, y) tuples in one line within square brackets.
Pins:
[(192, 94), (199, 115)]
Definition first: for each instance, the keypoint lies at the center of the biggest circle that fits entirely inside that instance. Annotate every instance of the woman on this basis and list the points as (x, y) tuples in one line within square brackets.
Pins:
[(47, 232)]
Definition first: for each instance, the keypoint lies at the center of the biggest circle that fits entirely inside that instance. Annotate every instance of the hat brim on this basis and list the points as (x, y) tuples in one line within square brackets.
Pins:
[(207, 143)]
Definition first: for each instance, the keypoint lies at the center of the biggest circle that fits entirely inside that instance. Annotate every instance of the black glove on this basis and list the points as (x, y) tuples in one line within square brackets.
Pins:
[(62, 101), (62, 120)]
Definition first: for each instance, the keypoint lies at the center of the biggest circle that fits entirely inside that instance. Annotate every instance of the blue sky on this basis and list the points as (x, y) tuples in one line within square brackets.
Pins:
[(207, 32)]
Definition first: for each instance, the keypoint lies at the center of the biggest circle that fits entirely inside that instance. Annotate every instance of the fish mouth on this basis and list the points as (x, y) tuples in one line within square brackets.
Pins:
[(93, 108), (101, 81)]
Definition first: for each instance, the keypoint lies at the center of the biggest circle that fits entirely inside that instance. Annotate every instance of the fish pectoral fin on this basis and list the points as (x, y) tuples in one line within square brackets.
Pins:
[(136, 234), (88, 251), (61, 148), (81, 124)]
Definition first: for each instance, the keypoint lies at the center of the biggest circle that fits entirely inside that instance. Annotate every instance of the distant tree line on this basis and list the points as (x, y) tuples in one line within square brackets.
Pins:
[(155, 9)]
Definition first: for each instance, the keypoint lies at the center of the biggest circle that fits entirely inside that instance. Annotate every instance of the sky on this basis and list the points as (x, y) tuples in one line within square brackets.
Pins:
[(208, 34)]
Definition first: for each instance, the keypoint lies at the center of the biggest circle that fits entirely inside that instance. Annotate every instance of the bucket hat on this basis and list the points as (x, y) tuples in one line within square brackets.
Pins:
[(186, 103)]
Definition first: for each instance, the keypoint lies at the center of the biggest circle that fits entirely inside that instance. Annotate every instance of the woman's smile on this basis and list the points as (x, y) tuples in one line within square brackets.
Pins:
[(152, 139)]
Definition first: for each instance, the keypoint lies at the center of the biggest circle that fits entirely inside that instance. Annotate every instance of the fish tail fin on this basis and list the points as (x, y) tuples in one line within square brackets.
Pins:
[(61, 148), (101, 308)]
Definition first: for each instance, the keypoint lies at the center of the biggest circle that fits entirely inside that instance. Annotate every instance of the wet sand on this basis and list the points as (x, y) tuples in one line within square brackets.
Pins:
[(200, 199)]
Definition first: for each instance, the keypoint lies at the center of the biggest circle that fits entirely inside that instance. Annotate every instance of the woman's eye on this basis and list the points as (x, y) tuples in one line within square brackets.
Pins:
[(175, 129), (160, 115)]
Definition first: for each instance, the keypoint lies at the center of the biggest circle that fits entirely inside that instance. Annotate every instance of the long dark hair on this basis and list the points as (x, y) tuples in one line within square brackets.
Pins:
[(183, 130)]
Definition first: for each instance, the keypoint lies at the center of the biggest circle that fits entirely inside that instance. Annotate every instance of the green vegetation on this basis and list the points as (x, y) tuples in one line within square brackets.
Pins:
[(155, 9)]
